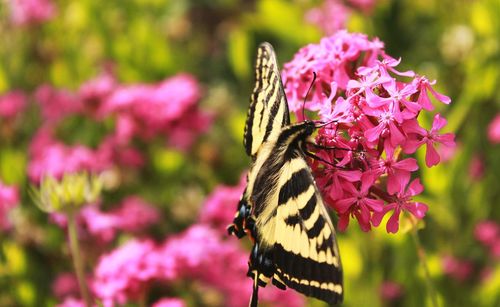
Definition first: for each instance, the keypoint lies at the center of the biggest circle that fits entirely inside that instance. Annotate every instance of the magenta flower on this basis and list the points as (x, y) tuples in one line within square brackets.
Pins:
[(123, 274), (49, 157), (424, 85), (169, 302), (218, 208), (72, 302), (403, 202), (373, 114), (398, 171), (65, 285), (57, 104), (24, 12), (422, 136), (494, 130), (9, 198), (358, 204), (331, 16), (389, 118), (458, 269), (486, 232), (11, 104), (196, 254), (332, 60), (390, 290)]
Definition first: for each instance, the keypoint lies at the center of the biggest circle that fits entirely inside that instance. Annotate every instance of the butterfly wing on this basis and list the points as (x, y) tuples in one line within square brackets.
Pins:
[(305, 249), (300, 234), (268, 111)]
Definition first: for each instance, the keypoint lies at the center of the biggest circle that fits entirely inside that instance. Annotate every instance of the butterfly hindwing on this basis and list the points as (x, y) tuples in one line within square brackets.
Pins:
[(305, 249), (268, 111)]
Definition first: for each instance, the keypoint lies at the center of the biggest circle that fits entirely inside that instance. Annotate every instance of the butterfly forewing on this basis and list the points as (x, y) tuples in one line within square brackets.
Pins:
[(268, 111)]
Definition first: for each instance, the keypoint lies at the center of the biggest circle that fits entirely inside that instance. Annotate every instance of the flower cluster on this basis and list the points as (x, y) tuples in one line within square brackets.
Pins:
[(371, 110), (218, 210), (488, 233), (332, 15), (11, 104), (9, 198), (168, 109), (198, 253), (25, 12), (132, 215)]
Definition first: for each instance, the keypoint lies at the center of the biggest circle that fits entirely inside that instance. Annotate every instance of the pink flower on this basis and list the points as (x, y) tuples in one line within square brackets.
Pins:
[(57, 104), (11, 104), (50, 157), (494, 130), (424, 85), (218, 210), (371, 114), (476, 167), (25, 12), (487, 232), (458, 269), (168, 108), (95, 91), (390, 291), (135, 214), (9, 198), (65, 285), (71, 302), (332, 60), (398, 171), (331, 16), (124, 273), (196, 254), (364, 5), (132, 215), (169, 302), (358, 203), (422, 136), (403, 202)]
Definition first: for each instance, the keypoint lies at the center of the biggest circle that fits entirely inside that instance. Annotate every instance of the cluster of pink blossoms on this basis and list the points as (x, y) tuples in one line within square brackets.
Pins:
[(332, 15), (373, 110), (11, 104), (198, 254), (25, 12), (167, 110), (132, 215)]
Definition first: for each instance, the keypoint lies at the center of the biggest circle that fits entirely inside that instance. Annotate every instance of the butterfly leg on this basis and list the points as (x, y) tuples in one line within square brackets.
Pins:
[(239, 226)]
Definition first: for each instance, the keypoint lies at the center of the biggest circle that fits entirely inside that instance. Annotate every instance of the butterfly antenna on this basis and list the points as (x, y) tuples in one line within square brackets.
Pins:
[(307, 95)]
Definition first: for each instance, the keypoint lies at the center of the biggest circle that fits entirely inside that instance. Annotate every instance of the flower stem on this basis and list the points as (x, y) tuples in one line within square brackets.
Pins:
[(423, 261), (77, 260)]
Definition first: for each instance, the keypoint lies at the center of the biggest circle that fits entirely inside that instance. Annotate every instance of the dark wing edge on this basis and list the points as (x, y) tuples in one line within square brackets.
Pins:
[(268, 111)]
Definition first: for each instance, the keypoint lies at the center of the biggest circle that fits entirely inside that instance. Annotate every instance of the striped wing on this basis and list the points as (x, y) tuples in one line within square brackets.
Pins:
[(304, 243), (268, 111)]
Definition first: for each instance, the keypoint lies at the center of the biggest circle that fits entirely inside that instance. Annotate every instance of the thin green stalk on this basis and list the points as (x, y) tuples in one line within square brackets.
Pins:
[(423, 261), (77, 260)]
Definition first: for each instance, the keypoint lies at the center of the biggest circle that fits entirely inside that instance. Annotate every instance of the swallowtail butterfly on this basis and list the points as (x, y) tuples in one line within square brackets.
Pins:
[(281, 209)]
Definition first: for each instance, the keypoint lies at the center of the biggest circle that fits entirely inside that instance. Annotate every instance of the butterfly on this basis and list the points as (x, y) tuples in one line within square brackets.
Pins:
[(281, 209)]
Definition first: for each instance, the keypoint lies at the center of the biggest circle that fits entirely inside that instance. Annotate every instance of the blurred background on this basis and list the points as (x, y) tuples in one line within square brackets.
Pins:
[(153, 95)]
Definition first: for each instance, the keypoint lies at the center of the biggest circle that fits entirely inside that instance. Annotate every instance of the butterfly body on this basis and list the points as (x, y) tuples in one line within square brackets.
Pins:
[(281, 208)]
